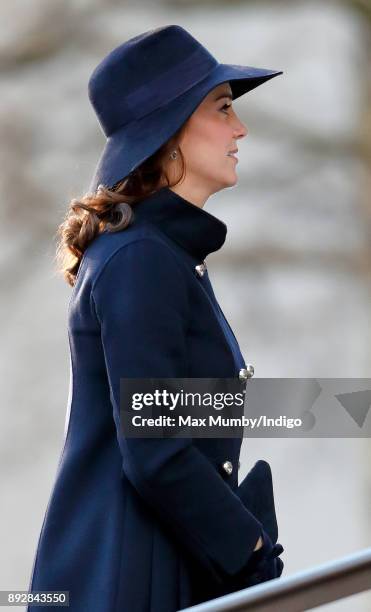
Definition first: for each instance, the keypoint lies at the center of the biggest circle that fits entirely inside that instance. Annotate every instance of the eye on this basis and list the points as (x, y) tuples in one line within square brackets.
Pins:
[(224, 107)]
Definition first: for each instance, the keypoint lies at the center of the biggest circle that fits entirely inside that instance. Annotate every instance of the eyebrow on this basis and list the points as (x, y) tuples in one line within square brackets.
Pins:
[(224, 95)]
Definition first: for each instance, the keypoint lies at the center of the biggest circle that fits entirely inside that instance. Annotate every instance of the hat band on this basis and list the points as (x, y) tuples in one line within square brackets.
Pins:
[(170, 84)]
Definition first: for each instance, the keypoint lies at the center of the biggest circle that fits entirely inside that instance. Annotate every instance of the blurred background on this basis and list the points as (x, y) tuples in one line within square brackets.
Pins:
[(293, 278)]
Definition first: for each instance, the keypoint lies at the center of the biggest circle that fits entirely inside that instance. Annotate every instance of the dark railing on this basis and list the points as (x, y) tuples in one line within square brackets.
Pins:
[(302, 591)]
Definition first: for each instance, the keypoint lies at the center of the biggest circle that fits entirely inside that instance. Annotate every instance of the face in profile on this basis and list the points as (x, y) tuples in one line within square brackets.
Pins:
[(210, 134)]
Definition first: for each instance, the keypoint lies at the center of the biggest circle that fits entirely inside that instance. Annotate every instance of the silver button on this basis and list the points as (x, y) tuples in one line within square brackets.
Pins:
[(247, 372), (201, 269), (228, 467)]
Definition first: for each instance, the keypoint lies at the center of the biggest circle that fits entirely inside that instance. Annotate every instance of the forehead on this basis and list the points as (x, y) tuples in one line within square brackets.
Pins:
[(214, 97), (217, 93), (223, 89)]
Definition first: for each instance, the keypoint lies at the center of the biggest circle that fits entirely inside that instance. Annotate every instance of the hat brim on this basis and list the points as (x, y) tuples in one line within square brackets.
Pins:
[(131, 145)]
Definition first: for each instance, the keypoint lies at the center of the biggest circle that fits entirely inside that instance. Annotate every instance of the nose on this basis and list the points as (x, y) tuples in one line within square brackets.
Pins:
[(240, 130)]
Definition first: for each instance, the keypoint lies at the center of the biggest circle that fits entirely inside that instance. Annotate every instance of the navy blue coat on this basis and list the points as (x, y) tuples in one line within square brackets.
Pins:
[(144, 525)]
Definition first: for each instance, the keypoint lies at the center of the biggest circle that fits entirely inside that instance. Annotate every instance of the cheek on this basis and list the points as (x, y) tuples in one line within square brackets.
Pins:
[(206, 158), (214, 144), (216, 136), (207, 146)]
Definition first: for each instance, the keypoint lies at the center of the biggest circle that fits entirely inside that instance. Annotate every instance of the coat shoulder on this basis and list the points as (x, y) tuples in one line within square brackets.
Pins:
[(134, 239)]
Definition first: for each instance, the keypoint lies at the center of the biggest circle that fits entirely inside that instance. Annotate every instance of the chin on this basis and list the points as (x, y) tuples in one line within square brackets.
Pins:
[(232, 180), (226, 181)]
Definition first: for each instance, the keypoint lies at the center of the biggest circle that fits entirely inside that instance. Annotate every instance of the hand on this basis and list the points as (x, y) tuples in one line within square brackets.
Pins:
[(259, 544), (264, 564), (279, 566)]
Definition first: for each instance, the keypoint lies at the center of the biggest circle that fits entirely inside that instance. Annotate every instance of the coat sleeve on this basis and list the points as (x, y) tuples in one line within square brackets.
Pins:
[(141, 301)]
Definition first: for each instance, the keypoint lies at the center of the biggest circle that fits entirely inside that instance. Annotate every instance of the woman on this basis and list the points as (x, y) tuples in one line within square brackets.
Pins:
[(146, 524)]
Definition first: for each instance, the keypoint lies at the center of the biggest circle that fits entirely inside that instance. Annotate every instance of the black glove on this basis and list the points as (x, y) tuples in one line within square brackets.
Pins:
[(264, 564), (256, 493)]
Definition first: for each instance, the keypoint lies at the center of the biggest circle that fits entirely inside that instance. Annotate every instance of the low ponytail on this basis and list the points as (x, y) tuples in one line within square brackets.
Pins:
[(108, 209)]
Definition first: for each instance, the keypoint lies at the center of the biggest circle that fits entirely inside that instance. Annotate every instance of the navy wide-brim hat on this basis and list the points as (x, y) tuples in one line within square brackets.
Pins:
[(146, 88)]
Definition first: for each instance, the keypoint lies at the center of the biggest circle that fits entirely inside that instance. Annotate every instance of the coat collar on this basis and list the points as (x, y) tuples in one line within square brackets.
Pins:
[(192, 227)]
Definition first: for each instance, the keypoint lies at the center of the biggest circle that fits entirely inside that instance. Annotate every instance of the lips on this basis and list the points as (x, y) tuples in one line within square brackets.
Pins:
[(233, 154)]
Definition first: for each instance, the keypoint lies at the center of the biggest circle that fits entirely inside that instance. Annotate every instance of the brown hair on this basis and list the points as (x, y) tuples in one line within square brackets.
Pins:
[(110, 209)]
